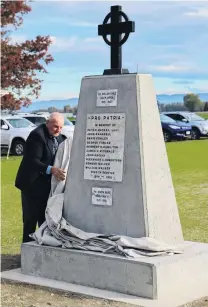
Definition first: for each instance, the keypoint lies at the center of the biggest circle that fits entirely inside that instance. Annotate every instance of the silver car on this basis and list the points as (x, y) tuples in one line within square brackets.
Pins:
[(198, 123), (68, 127), (14, 133)]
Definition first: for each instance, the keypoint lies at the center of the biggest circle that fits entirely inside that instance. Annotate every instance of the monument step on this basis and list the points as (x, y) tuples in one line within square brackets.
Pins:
[(148, 277)]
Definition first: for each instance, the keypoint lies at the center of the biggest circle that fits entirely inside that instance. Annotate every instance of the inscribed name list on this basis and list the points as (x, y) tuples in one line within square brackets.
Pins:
[(104, 147)]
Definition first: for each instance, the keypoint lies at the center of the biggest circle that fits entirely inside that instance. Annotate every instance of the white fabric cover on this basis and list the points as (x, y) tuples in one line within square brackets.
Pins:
[(57, 232)]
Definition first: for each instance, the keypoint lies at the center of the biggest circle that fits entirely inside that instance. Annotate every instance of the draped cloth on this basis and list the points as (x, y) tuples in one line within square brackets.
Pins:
[(58, 232)]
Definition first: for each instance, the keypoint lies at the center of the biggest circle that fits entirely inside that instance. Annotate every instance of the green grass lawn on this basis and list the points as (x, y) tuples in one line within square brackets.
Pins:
[(189, 167), (203, 114)]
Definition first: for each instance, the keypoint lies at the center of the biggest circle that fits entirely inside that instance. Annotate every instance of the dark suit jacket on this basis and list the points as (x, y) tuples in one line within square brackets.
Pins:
[(38, 155)]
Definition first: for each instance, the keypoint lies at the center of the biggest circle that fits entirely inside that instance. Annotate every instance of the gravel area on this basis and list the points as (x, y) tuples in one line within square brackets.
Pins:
[(16, 295)]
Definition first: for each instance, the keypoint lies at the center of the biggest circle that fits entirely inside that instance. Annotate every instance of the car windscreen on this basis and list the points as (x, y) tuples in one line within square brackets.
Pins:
[(67, 122), (36, 120), (195, 117), (40, 120), (166, 119), (20, 122)]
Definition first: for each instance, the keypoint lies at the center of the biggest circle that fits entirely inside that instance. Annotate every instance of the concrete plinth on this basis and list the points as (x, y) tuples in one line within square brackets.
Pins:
[(153, 278), (143, 202)]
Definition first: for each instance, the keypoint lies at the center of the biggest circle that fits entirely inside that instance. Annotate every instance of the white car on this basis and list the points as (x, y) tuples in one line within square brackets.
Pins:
[(67, 130), (14, 132)]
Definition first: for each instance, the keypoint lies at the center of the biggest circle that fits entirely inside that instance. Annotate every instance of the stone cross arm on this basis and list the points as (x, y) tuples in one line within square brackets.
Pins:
[(122, 27)]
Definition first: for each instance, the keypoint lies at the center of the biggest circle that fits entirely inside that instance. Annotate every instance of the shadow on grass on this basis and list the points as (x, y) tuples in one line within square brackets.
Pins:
[(10, 262)]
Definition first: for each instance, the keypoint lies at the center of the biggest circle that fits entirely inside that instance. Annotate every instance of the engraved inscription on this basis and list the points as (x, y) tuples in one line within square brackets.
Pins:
[(102, 196), (104, 147), (107, 98)]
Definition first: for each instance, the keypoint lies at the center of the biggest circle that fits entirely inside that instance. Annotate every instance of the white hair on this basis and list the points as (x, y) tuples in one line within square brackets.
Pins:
[(55, 116)]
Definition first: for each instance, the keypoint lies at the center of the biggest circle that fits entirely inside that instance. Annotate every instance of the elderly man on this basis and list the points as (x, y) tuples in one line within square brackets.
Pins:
[(34, 174)]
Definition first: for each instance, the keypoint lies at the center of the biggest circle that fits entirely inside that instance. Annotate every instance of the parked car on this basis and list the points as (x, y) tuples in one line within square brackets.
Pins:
[(173, 130), (73, 121), (34, 118), (14, 132), (198, 123), (68, 127)]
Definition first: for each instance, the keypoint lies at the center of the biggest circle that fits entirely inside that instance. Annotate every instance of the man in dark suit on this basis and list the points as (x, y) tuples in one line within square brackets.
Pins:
[(35, 171)]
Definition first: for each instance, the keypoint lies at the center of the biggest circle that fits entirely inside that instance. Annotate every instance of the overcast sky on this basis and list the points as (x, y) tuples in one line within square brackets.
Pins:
[(170, 42)]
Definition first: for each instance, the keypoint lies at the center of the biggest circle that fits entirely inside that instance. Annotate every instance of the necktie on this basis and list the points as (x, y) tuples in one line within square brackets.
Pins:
[(55, 145)]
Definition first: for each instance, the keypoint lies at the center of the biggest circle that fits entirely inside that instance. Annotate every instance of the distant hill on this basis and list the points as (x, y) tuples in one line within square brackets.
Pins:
[(59, 104)]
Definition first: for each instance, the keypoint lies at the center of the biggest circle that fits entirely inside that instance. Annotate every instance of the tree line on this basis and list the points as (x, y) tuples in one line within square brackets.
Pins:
[(66, 109), (191, 102)]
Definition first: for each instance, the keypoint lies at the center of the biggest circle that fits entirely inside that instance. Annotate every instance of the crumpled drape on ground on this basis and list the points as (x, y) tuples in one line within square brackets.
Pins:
[(57, 232)]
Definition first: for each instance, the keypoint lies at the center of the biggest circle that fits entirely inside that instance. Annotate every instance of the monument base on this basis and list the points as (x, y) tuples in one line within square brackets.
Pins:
[(154, 278)]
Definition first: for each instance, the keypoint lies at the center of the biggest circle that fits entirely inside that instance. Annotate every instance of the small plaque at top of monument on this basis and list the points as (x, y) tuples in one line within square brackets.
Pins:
[(107, 98), (104, 147)]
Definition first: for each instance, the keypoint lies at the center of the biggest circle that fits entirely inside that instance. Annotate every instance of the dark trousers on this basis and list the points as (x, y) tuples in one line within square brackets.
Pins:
[(33, 209)]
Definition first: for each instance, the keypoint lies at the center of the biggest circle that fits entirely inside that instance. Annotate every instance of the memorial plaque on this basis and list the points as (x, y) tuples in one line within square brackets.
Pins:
[(104, 147), (107, 98), (102, 196)]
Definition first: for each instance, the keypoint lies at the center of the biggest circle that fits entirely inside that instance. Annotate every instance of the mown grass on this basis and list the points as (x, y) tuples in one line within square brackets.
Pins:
[(203, 114), (189, 168), (11, 214)]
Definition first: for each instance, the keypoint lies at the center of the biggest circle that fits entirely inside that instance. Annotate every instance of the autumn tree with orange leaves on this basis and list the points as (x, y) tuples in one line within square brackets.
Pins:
[(20, 62)]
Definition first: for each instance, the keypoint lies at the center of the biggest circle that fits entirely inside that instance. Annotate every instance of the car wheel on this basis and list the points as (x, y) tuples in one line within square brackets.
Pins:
[(18, 147), (167, 136), (195, 135)]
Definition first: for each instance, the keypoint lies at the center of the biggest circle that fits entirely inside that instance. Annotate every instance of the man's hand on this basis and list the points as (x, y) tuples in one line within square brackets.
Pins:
[(58, 173)]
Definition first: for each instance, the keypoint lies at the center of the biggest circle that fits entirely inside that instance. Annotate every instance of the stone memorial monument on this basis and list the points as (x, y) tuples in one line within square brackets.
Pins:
[(119, 182)]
